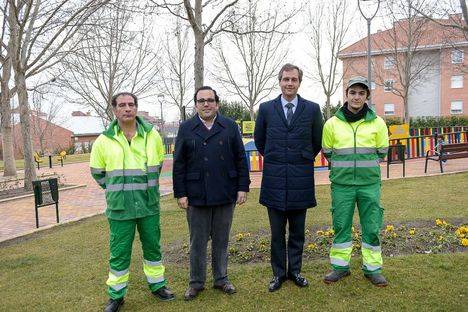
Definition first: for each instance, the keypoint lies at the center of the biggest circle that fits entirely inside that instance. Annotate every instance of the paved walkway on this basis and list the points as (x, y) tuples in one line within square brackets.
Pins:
[(17, 216)]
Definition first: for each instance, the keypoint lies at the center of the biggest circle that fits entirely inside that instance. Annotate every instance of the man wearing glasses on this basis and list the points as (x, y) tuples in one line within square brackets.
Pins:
[(210, 176)]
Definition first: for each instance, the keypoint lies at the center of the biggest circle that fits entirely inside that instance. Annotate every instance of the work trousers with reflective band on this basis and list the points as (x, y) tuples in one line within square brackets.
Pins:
[(344, 200), (122, 233)]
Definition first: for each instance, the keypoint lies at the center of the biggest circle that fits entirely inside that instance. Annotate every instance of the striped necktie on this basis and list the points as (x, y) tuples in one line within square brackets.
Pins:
[(289, 113)]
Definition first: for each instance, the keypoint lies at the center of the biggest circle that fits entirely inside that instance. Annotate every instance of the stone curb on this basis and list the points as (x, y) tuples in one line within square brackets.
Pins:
[(31, 195)]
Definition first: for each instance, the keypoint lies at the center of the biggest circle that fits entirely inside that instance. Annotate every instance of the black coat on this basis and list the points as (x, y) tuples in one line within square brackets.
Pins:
[(210, 166), (289, 153)]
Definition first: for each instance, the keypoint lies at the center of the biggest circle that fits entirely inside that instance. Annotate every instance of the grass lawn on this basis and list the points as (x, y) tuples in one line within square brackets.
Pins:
[(64, 269), (74, 158)]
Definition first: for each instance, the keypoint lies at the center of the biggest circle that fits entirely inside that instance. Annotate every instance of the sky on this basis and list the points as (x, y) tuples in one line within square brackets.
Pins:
[(298, 53)]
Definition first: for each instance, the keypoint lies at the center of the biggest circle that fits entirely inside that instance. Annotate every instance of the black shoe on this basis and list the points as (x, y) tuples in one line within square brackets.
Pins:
[(377, 279), (164, 294), (276, 283), (227, 288), (299, 280), (113, 305), (191, 293), (335, 275)]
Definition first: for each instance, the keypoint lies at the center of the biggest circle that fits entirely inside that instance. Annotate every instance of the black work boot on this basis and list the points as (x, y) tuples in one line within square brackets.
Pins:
[(335, 276), (377, 279), (113, 305), (164, 294)]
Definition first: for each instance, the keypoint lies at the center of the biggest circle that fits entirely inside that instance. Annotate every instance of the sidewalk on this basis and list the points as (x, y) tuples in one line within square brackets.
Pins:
[(17, 216)]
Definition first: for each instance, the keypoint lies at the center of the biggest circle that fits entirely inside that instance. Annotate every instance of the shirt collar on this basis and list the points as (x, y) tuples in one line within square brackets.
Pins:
[(203, 122), (139, 129), (284, 102)]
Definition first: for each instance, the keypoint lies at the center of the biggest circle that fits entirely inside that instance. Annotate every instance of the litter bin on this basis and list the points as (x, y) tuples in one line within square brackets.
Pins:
[(45, 194)]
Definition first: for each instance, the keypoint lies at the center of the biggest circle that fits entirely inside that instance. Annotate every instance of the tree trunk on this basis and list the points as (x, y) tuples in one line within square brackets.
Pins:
[(199, 66), (328, 107), (7, 132), (29, 168)]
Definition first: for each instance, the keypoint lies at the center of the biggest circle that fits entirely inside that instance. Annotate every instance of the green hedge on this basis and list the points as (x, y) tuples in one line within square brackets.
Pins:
[(430, 122)]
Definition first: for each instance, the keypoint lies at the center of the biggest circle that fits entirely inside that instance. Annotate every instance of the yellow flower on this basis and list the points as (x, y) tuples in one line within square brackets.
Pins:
[(311, 246), (307, 232), (438, 222), (440, 238), (394, 235), (461, 231), (464, 242), (239, 237), (389, 228), (412, 232), (353, 229), (332, 232), (320, 233)]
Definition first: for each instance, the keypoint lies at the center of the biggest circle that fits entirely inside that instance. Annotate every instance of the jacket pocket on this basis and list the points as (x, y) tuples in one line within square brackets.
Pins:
[(193, 184)]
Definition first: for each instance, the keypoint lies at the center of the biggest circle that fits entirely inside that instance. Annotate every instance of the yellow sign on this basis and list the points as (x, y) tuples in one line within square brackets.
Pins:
[(248, 127), (398, 132)]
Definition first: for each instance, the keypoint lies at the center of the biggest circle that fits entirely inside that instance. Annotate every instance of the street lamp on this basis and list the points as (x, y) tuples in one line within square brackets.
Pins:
[(369, 19), (161, 100)]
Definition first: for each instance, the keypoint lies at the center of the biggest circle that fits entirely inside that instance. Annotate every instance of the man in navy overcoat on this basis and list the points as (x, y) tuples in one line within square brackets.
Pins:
[(288, 133), (210, 176)]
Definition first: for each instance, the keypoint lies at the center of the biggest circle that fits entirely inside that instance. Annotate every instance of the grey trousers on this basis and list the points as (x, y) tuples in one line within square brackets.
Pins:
[(206, 222)]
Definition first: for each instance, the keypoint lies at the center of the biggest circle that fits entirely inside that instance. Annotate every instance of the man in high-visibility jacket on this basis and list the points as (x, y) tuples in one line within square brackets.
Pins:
[(126, 160), (353, 141)]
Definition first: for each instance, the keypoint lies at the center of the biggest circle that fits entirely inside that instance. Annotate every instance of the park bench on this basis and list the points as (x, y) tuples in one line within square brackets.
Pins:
[(61, 156), (447, 151), (37, 159)]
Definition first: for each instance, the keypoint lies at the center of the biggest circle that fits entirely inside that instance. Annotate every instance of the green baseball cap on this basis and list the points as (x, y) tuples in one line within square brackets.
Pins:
[(358, 80)]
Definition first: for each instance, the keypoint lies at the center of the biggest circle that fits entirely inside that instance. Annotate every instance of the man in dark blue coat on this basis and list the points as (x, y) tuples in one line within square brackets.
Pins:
[(210, 176), (288, 133)]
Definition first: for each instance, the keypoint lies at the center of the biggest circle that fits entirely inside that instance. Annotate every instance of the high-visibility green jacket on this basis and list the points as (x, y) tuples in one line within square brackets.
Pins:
[(354, 148), (129, 172)]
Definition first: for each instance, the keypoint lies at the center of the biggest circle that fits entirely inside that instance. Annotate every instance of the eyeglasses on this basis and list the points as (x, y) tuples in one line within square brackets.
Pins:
[(209, 100)]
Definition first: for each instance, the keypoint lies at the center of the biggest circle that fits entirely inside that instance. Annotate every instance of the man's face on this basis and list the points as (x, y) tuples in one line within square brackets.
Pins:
[(356, 97), (206, 105), (289, 83), (125, 111)]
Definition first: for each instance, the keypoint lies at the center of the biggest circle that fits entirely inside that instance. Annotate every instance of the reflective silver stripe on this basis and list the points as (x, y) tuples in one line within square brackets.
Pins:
[(153, 169), (383, 150), (118, 273), (359, 163), (98, 170), (119, 286), (153, 280), (339, 262), (367, 163), (101, 181), (126, 187), (152, 263), (125, 173), (373, 248), (326, 150), (152, 182), (351, 150), (342, 245), (371, 267)]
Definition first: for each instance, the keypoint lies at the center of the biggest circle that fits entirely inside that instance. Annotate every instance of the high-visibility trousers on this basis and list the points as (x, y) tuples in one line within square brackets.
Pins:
[(122, 233), (344, 200)]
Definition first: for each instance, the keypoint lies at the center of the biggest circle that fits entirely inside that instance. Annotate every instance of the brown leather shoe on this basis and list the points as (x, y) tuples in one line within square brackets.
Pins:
[(191, 293), (227, 288)]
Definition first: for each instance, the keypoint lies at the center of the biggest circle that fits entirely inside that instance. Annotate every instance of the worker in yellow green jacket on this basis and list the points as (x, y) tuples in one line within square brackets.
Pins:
[(126, 160), (353, 141)]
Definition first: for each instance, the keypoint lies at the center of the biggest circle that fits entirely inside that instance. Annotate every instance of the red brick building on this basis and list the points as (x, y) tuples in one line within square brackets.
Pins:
[(46, 136), (440, 87)]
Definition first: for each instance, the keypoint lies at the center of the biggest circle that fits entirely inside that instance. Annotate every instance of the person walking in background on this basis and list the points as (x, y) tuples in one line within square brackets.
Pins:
[(353, 141), (288, 133), (210, 176), (126, 160)]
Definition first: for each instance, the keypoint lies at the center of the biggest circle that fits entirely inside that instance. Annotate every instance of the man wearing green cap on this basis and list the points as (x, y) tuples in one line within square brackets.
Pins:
[(353, 141), (126, 160)]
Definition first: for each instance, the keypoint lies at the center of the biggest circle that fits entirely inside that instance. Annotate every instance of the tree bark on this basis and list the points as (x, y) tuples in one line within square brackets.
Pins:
[(7, 132)]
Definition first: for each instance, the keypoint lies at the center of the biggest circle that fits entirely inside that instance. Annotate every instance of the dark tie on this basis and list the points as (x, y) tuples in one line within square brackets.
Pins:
[(289, 113)]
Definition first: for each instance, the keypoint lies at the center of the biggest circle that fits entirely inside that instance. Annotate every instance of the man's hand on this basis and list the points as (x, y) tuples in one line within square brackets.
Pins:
[(241, 197), (182, 202)]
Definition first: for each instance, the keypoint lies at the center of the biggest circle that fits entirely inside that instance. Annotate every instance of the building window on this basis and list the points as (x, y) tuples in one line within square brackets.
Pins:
[(388, 85), (457, 82), (372, 85), (389, 62), (389, 109), (456, 107), (457, 57)]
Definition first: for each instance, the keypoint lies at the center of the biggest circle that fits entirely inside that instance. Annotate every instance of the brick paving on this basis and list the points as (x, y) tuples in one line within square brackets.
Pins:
[(17, 216)]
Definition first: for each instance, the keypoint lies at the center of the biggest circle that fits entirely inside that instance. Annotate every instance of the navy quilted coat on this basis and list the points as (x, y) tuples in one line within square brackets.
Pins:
[(289, 153)]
